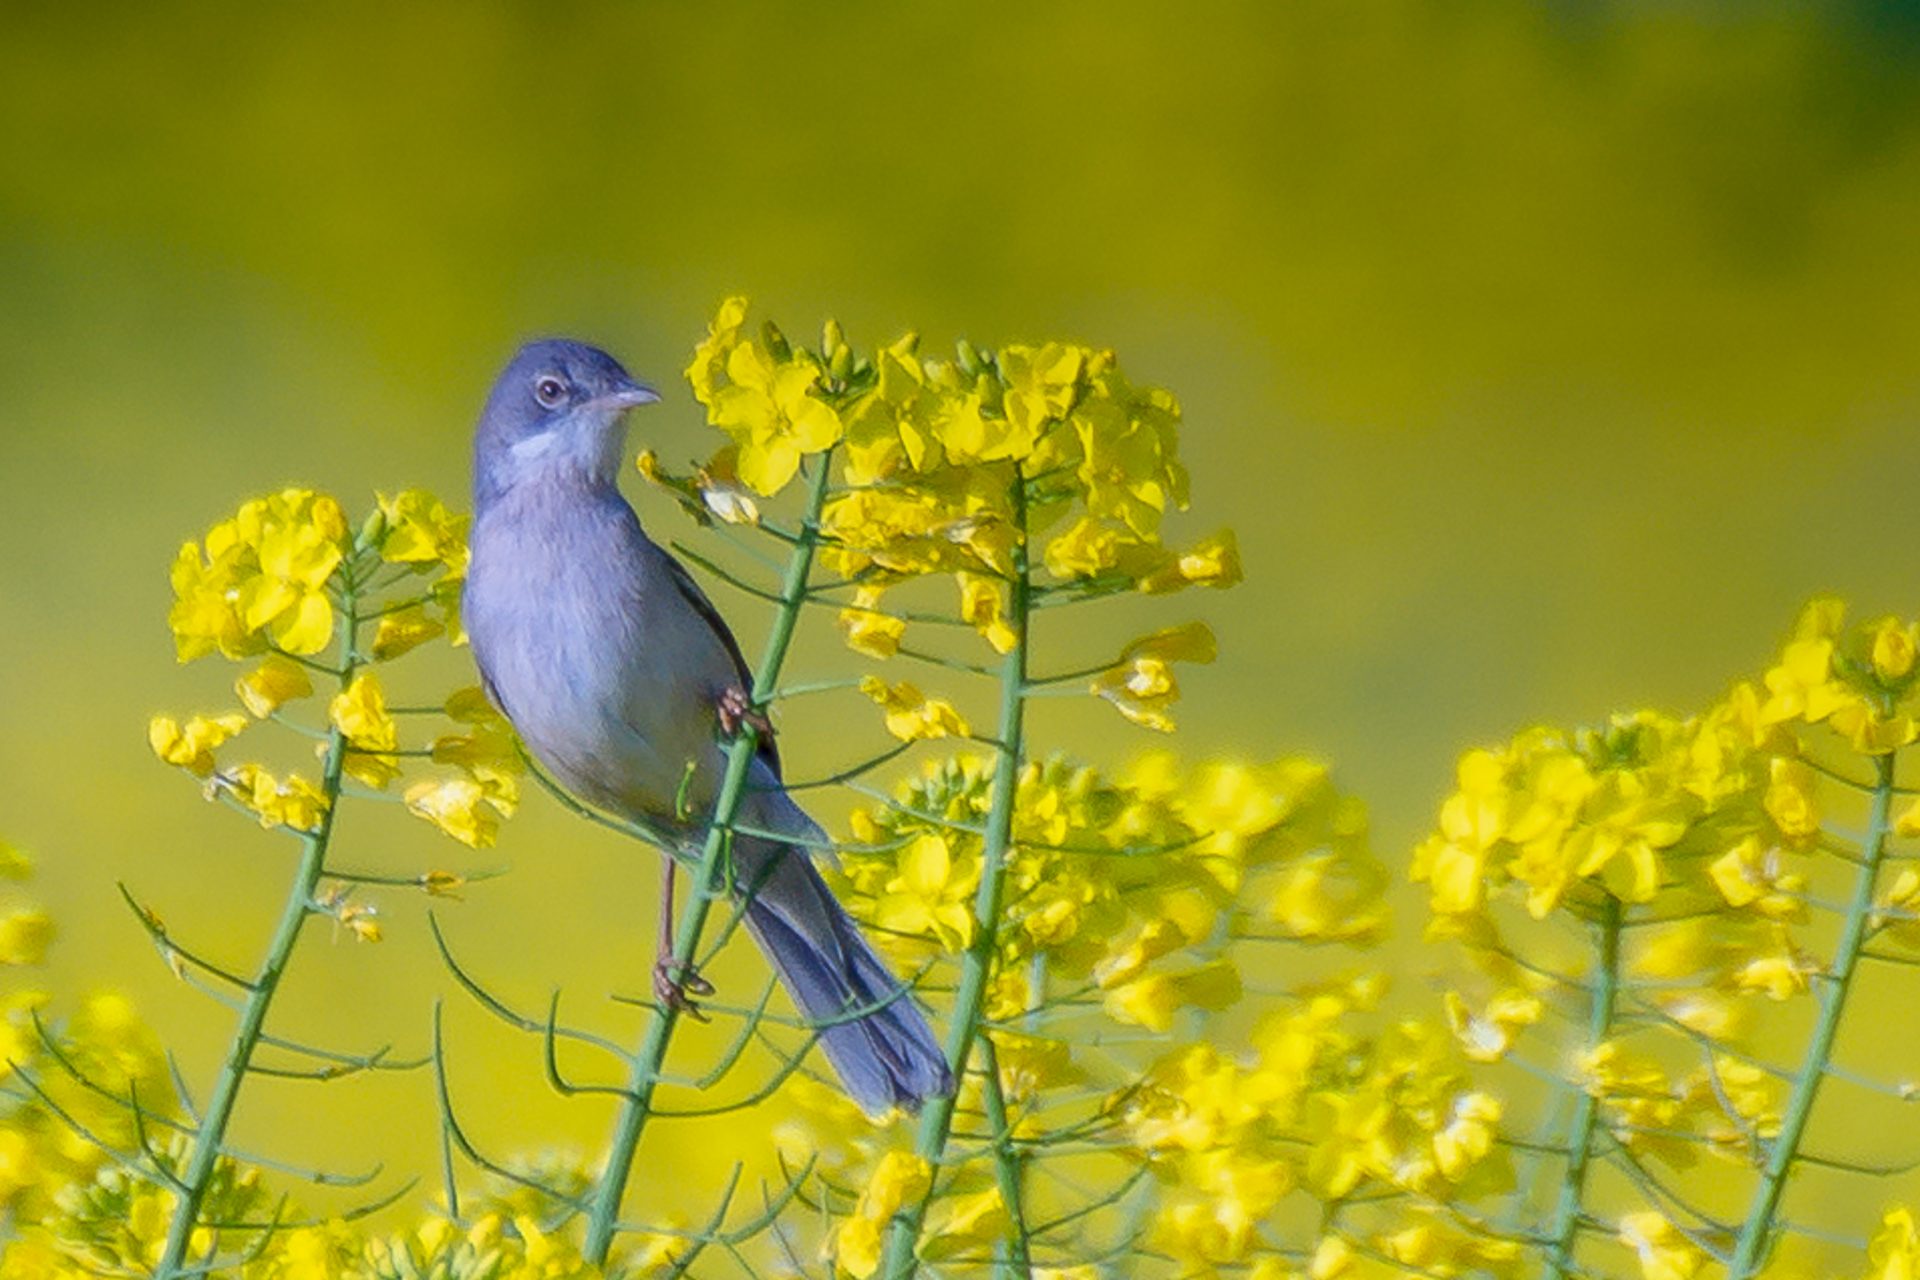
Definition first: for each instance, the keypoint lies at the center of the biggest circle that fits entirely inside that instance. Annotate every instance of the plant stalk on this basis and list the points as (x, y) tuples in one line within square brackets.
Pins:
[(1565, 1231), (211, 1135), (1015, 1255), (1756, 1233), (708, 879), (976, 966)]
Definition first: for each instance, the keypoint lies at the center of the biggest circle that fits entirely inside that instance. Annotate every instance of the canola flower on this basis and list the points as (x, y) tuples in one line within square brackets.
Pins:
[(1174, 1056), (287, 582)]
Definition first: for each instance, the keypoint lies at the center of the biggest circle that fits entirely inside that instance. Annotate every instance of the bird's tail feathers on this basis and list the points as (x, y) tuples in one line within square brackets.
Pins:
[(873, 1033)]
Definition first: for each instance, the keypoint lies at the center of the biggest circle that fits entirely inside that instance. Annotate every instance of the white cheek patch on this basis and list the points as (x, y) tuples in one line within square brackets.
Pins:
[(536, 446)]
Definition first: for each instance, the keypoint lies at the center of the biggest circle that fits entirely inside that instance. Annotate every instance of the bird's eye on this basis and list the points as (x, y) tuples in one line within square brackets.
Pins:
[(550, 391)]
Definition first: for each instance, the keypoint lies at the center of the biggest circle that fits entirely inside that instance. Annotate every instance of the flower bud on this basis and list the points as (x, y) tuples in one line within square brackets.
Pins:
[(776, 341), (969, 358), (373, 530)]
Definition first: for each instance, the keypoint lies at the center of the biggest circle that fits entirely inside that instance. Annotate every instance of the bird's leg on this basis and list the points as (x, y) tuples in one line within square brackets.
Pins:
[(671, 980), (736, 709)]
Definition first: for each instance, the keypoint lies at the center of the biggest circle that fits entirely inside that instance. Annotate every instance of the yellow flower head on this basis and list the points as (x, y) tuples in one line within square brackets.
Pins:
[(769, 405), (869, 629), (191, 746), (461, 807), (292, 802), (1141, 686), (403, 631), (272, 684), (910, 714)]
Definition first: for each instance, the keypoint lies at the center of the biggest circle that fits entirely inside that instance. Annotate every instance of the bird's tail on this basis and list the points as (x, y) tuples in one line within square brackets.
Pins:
[(875, 1036)]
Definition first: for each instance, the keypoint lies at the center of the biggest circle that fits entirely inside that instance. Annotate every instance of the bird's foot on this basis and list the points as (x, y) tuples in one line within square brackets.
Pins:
[(736, 709), (675, 985)]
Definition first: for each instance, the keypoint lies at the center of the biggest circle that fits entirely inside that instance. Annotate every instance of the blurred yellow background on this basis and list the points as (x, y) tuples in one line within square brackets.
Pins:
[(1544, 357)]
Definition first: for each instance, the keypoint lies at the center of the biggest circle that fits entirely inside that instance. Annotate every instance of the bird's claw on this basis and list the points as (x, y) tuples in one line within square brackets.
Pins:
[(675, 985), (736, 709)]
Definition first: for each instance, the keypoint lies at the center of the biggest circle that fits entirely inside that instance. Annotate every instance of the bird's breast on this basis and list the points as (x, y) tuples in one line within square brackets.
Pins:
[(562, 628)]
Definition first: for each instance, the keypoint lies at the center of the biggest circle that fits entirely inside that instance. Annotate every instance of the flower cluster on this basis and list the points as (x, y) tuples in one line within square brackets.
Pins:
[(1127, 901), (1696, 858), (284, 581), (1318, 1109), (46, 1060), (1130, 884), (951, 468), (1646, 907)]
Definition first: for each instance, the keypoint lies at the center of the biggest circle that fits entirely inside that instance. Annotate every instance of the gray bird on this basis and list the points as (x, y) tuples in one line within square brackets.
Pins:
[(624, 681)]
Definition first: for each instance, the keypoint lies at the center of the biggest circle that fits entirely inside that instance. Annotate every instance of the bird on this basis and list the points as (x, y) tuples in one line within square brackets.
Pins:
[(623, 680)]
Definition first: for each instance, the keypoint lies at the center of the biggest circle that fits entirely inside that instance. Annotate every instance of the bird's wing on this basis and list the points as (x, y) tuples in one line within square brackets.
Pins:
[(691, 592)]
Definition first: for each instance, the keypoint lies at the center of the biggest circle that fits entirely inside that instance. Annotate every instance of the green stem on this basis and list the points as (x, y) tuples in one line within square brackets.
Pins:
[(211, 1136), (1565, 1232), (637, 1106), (976, 965), (1756, 1234), (1009, 1168)]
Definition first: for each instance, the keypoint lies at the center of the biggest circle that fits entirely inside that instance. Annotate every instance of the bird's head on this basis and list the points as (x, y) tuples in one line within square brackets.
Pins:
[(554, 413)]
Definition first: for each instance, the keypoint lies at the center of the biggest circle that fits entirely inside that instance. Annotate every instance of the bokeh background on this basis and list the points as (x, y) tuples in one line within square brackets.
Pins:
[(1544, 357)]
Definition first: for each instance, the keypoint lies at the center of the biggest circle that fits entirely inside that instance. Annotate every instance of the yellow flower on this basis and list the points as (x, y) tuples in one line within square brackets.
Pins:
[(294, 803), (24, 935), (491, 756), (1141, 685), (192, 746), (1333, 1258), (1871, 732), (1211, 562), (1740, 1098), (721, 493), (421, 530), (360, 712), (1327, 896), (265, 570), (769, 410), (461, 807), (1152, 1001), (931, 893), (867, 628), (1041, 386), (1897, 911), (403, 631), (1664, 1253), (710, 357), (1093, 546), (1802, 685), (1473, 1123), (898, 1178), (359, 919), (1777, 975), (1750, 875), (983, 604), (1128, 957), (297, 536), (1893, 644), (470, 705), (910, 714), (274, 683), (1128, 472), (1488, 1035), (1790, 800), (965, 1224), (1203, 1231), (19, 1169), (1894, 1253)]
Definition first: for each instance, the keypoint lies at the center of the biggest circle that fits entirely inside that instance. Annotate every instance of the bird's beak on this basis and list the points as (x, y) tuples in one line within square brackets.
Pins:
[(637, 394), (631, 396)]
